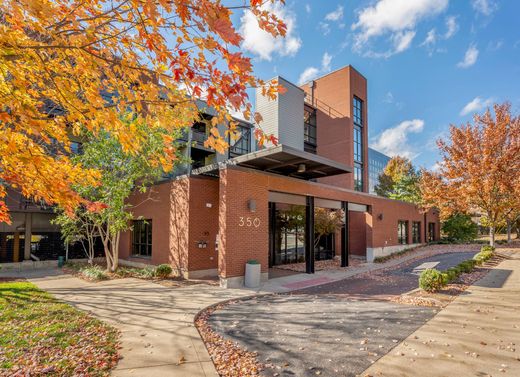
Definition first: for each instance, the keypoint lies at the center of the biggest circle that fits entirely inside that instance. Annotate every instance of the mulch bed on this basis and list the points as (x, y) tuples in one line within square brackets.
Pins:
[(450, 291), (229, 359), (320, 265)]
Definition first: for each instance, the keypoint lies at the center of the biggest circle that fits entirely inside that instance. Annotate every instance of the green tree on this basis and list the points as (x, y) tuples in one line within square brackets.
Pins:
[(399, 180), (123, 172), (460, 227)]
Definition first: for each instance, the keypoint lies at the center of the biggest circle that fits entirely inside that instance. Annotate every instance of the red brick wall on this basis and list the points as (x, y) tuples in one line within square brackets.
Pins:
[(357, 233), (238, 241), (238, 244), (203, 223), (335, 132)]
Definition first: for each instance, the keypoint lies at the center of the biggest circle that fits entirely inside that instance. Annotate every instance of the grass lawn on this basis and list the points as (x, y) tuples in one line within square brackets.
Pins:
[(41, 335)]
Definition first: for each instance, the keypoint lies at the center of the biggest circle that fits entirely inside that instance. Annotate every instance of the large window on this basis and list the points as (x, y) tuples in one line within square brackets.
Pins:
[(416, 232), (358, 144), (402, 232), (357, 106), (431, 232), (358, 177), (242, 145), (358, 111), (309, 130), (142, 238)]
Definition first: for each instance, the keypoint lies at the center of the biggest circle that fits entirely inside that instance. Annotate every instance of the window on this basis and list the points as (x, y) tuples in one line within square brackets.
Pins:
[(431, 232), (142, 238), (358, 111), (242, 145), (358, 177), (309, 129), (357, 106), (402, 232), (416, 232), (358, 144)]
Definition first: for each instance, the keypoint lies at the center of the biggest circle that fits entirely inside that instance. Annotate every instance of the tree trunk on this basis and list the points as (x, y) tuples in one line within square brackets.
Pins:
[(114, 250), (492, 236), (508, 231)]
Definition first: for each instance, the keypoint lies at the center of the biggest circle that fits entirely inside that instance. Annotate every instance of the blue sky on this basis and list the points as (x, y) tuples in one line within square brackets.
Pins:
[(429, 63)]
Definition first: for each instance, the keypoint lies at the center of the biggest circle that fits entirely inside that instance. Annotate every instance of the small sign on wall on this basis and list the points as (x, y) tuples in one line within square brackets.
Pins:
[(249, 222)]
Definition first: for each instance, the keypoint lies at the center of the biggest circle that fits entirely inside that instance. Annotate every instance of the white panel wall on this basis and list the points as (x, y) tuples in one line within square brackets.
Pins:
[(283, 117)]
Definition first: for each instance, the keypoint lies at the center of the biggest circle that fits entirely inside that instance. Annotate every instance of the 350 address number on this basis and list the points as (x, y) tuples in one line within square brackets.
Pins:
[(249, 222)]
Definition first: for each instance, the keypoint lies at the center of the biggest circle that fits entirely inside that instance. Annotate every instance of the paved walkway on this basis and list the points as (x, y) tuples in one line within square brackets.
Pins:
[(156, 322), (476, 335)]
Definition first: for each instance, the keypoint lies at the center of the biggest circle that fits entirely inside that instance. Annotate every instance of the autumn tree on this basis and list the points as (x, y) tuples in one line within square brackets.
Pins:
[(71, 66), (399, 180), (479, 168), (327, 221)]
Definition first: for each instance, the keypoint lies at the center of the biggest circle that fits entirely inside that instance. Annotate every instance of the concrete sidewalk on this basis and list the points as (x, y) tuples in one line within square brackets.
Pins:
[(476, 335), (156, 322)]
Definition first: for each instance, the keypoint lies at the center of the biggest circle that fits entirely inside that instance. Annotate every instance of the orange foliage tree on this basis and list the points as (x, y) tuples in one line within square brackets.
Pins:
[(73, 66), (479, 168)]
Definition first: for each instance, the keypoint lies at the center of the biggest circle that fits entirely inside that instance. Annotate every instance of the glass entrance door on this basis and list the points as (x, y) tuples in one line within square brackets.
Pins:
[(287, 233)]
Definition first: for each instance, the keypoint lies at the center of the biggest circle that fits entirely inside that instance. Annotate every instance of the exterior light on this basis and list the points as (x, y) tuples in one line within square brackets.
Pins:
[(301, 168), (251, 204)]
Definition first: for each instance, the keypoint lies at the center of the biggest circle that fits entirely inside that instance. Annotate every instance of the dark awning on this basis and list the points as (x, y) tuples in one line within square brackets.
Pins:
[(283, 160)]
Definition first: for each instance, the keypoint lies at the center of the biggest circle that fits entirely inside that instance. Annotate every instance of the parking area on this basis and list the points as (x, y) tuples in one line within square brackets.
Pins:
[(336, 329)]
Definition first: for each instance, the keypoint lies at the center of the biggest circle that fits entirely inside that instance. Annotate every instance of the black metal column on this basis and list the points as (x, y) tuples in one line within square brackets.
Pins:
[(272, 233), (309, 235), (344, 237)]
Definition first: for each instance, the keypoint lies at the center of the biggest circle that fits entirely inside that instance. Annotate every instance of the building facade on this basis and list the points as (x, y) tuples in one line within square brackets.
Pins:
[(261, 203), (377, 162), (214, 215)]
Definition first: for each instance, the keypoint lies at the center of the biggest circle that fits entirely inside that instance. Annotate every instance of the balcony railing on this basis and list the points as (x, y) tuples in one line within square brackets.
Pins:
[(199, 137), (322, 106)]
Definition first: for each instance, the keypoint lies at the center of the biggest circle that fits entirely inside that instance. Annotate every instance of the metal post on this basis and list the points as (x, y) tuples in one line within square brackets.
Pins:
[(345, 252), (309, 235)]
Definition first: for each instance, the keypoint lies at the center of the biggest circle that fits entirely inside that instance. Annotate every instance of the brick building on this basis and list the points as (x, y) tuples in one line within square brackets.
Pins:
[(259, 203)]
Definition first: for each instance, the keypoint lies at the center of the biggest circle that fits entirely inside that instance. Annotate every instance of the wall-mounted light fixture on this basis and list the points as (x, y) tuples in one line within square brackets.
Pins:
[(301, 168), (251, 205), (380, 216)]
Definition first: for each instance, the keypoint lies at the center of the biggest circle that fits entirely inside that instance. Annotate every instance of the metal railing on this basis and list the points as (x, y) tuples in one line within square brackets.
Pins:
[(322, 106)]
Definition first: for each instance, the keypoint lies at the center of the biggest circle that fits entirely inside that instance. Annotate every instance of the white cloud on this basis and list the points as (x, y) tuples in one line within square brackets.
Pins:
[(263, 44), (431, 39), (485, 7), (390, 99), (470, 57), (325, 62), (398, 18), (335, 15), (475, 105), (451, 27), (311, 73), (307, 8), (324, 27), (495, 45), (394, 141)]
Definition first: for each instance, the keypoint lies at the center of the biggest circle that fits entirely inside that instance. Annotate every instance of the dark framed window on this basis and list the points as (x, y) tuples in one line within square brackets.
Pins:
[(309, 128), (416, 232), (358, 144), (357, 106), (402, 232), (431, 232), (142, 238), (242, 145), (358, 177)]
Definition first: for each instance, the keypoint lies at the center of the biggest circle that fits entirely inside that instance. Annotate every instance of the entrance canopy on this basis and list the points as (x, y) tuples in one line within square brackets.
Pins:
[(283, 160)]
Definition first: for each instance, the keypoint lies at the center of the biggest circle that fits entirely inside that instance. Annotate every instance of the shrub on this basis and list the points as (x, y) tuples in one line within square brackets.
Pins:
[(145, 273), (431, 280), (487, 248), (483, 256), (451, 274), (163, 270), (94, 273), (460, 227), (467, 266)]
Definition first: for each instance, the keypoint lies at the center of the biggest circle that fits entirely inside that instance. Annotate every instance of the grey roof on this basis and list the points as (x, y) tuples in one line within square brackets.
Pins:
[(284, 160)]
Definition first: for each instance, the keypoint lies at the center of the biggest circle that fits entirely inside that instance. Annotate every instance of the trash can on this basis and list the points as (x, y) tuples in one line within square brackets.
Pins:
[(61, 261), (253, 274)]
